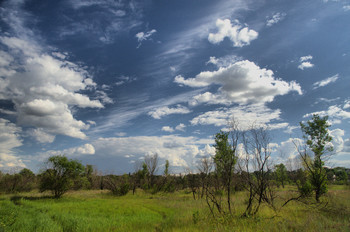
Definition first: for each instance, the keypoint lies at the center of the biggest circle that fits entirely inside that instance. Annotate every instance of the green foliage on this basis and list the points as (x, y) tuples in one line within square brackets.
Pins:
[(316, 135), (166, 170), (118, 185), (305, 188), (281, 174), (24, 181), (61, 175), (317, 139), (8, 215), (224, 158), (99, 211)]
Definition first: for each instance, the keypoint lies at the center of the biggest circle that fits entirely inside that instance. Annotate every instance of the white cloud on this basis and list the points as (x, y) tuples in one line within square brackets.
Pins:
[(167, 129), (41, 136), (288, 149), (275, 19), (290, 129), (180, 127), (239, 35), (335, 113), (245, 115), (346, 104), (304, 65), (120, 134), (164, 111), (305, 62), (346, 8), (44, 89), (84, 150), (326, 81), (241, 82), (180, 151), (9, 139), (223, 61), (143, 36), (305, 58), (337, 139)]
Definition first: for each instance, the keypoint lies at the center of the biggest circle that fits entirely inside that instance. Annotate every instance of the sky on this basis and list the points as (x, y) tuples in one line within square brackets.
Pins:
[(109, 82)]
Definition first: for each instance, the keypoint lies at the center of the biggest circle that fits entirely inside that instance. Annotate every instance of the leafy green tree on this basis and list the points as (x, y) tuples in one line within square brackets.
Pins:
[(60, 175), (225, 161), (166, 169), (281, 174), (317, 139), (28, 180)]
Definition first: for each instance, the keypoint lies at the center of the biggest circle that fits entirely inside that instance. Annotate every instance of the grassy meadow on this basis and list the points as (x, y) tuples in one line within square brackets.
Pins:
[(94, 210)]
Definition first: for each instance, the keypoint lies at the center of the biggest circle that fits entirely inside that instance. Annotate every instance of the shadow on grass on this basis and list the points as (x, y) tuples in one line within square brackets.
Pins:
[(16, 199)]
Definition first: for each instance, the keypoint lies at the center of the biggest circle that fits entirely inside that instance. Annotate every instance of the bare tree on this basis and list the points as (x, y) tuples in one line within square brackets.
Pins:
[(204, 168), (256, 169), (151, 162)]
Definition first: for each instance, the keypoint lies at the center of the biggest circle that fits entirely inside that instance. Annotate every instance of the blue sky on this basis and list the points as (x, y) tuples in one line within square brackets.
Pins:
[(108, 82)]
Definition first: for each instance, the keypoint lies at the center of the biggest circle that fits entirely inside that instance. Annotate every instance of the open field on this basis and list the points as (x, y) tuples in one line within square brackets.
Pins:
[(100, 211)]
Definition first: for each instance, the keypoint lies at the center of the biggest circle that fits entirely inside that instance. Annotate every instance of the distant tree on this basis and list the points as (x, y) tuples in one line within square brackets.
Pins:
[(89, 172), (28, 180), (23, 181), (317, 138), (151, 162), (60, 175), (341, 175), (281, 174), (166, 169), (118, 185)]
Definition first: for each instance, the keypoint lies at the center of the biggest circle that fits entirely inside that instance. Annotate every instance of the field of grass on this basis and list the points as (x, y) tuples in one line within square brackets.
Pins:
[(100, 211)]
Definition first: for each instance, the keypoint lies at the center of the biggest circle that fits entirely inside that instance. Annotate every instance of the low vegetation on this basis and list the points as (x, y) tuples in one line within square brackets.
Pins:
[(99, 210), (238, 189)]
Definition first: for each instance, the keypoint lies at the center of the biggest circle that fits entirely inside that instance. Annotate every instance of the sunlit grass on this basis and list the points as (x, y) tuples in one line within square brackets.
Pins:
[(101, 211)]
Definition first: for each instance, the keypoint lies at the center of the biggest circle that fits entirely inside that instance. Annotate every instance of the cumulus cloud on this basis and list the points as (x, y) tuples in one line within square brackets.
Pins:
[(326, 81), (41, 136), (335, 113), (288, 149), (164, 111), (258, 114), (337, 139), (180, 151), (44, 89), (236, 32), (73, 152), (305, 62), (167, 129), (304, 65), (241, 82), (275, 19), (180, 127), (9, 140)]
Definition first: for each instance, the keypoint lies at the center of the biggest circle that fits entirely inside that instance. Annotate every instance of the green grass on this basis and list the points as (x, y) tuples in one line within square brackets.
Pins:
[(100, 211)]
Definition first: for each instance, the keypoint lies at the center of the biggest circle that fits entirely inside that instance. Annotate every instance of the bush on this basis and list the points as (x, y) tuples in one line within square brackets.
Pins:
[(118, 185)]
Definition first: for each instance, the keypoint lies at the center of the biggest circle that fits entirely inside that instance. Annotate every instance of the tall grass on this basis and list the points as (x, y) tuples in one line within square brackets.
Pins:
[(100, 211)]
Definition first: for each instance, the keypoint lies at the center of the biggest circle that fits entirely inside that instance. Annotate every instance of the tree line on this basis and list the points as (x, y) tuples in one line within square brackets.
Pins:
[(242, 162)]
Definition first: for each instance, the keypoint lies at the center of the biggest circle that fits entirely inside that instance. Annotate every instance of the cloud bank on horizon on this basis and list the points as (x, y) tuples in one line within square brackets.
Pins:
[(109, 82)]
